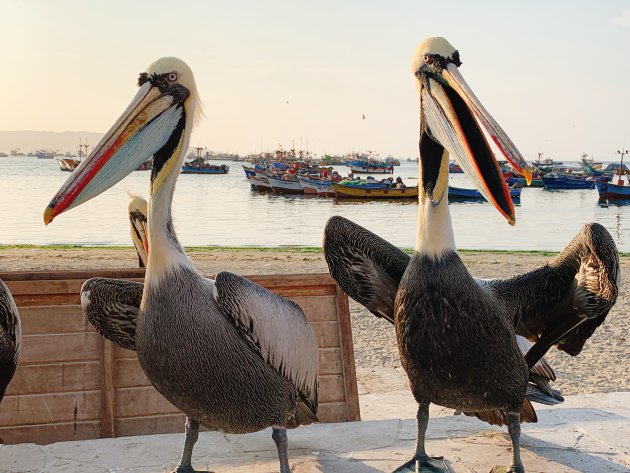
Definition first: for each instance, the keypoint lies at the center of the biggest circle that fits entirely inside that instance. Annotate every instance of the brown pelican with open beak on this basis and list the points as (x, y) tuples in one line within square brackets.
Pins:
[(230, 354), (10, 338), (457, 334)]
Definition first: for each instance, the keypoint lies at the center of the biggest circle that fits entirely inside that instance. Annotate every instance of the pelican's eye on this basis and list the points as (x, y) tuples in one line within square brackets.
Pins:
[(428, 58), (172, 76)]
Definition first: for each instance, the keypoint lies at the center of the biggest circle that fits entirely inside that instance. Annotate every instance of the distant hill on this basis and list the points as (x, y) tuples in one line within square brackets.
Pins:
[(28, 140)]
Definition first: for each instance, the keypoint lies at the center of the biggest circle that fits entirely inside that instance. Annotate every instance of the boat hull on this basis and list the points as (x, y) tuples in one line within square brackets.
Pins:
[(608, 191), (321, 187), (198, 170), (281, 186), (561, 183), (374, 193), (460, 193)]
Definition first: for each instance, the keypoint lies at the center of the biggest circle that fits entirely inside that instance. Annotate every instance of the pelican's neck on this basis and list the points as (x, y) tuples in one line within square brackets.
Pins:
[(435, 229), (165, 251)]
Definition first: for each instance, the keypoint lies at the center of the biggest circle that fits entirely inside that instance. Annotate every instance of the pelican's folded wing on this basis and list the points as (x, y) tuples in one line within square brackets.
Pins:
[(563, 302), (10, 337), (111, 306), (277, 327), (365, 266)]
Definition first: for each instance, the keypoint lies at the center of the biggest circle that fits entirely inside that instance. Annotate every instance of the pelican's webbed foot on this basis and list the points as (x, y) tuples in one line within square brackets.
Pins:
[(189, 469), (424, 464)]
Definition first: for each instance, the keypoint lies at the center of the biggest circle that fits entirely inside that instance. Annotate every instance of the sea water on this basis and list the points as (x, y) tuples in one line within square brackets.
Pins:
[(223, 210)]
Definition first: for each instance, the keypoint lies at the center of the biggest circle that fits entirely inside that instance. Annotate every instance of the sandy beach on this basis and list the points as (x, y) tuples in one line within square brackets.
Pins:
[(601, 367)]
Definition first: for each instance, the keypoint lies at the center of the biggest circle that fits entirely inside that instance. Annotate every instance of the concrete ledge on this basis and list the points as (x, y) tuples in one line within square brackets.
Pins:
[(588, 433)]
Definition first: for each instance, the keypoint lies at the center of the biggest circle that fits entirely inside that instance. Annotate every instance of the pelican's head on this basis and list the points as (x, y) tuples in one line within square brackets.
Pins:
[(450, 114), (157, 123), (138, 221)]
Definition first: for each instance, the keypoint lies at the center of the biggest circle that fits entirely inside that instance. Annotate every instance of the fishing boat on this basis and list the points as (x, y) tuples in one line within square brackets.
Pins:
[(44, 154), (68, 164), (195, 167), (558, 181), (618, 188), (370, 167), (285, 184), (454, 168), (521, 181), (460, 193), (257, 179), (316, 186), (373, 192)]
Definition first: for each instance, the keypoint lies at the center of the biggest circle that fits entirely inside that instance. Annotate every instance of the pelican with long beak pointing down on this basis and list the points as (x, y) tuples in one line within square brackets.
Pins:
[(457, 334), (231, 355)]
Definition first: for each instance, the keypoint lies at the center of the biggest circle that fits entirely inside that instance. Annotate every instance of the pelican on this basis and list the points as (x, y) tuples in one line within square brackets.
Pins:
[(457, 336), (137, 209), (230, 354), (10, 338)]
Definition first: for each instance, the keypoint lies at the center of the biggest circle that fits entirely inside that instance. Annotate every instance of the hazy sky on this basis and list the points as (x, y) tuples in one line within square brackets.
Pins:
[(555, 75)]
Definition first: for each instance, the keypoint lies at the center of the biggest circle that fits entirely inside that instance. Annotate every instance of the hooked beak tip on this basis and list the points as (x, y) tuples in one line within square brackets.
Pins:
[(48, 215)]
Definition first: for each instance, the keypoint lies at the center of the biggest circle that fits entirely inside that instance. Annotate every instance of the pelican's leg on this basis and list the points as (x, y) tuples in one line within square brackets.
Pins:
[(192, 434), (279, 436), (421, 462), (514, 429)]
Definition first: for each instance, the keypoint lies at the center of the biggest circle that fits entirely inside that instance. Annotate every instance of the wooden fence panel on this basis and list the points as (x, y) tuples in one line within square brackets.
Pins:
[(71, 384)]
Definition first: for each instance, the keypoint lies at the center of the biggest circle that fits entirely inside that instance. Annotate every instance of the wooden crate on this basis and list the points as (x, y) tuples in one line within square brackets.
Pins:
[(72, 384)]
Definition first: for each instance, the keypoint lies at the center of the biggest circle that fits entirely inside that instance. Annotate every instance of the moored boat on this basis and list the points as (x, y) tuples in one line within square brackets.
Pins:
[(205, 169), (609, 191), (460, 193), (68, 164), (374, 192), (558, 181), (319, 186), (287, 184), (257, 179), (370, 167)]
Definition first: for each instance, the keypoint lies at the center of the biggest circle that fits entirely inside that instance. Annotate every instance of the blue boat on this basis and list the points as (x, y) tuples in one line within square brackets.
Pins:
[(610, 191), (556, 181), (460, 193), (205, 169)]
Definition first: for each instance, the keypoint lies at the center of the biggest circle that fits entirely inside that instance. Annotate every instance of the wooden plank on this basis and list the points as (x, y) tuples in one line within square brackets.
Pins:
[(44, 298), (124, 354), (50, 408), (331, 388), (128, 374), (71, 274), (164, 424), (108, 392), (63, 347), (64, 286), (48, 319), (332, 412), (347, 348), (327, 334), (142, 401), (330, 361), (44, 434), (57, 377), (318, 309)]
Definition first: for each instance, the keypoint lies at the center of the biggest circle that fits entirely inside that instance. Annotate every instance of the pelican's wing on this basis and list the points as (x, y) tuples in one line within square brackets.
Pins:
[(111, 306), (276, 327), (365, 266), (10, 337), (563, 302)]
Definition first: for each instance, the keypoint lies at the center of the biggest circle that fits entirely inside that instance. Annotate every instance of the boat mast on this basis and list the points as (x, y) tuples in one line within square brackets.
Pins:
[(621, 152)]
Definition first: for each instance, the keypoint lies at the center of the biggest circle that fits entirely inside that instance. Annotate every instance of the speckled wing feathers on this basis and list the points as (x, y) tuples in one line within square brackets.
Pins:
[(112, 306), (10, 337), (365, 266), (276, 326)]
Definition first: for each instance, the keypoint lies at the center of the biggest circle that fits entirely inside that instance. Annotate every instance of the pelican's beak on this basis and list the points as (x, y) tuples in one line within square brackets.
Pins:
[(150, 120), (138, 221), (449, 114)]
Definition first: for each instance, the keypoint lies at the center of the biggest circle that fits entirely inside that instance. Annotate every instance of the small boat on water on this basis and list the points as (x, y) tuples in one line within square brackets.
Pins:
[(316, 186), (373, 191), (558, 181), (257, 179), (617, 191), (454, 168), (460, 193), (521, 181), (370, 167), (286, 184), (68, 164), (205, 169)]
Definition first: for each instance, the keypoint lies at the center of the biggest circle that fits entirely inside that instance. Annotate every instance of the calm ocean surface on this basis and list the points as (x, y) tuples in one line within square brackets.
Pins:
[(222, 210)]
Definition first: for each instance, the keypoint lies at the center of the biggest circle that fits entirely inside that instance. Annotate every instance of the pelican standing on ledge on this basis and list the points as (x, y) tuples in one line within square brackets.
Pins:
[(230, 354), (10, 338), (457, 335)]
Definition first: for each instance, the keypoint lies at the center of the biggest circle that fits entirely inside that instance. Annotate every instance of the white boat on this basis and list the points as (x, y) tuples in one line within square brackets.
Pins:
[(321, 186), (257, 179), (288, 184)]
